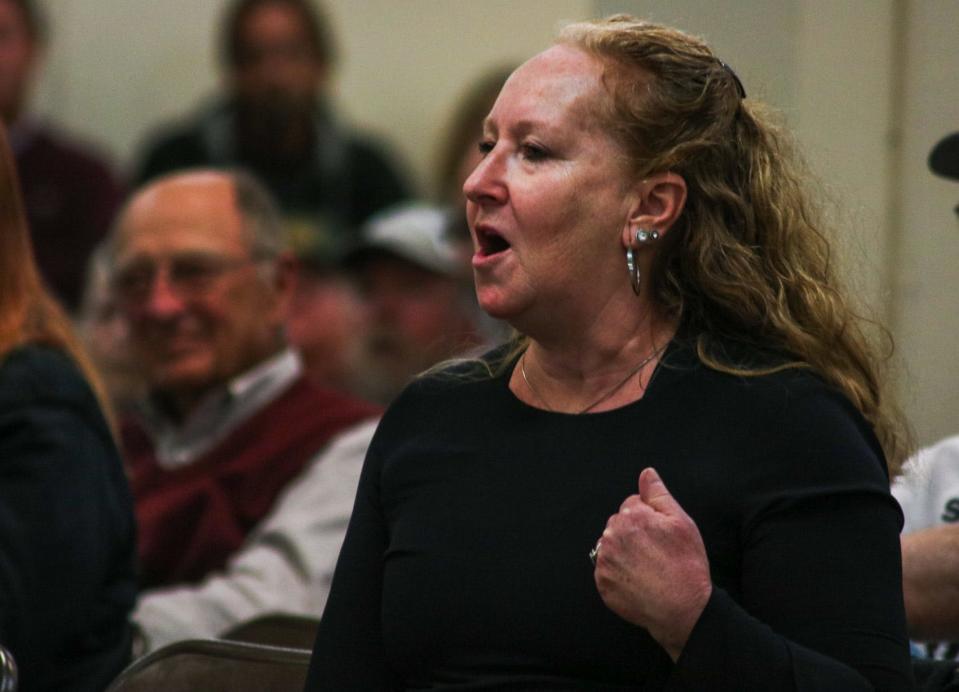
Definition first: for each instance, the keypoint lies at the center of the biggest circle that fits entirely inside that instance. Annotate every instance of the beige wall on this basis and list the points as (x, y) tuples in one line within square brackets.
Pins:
[(403, 63), (117, 67), (925, 273), (843, 117), (868, 85), (796, 55), (408, 62)]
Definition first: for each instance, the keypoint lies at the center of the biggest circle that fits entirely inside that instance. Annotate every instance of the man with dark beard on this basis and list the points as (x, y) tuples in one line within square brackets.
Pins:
[(275, 122), (419, 302)]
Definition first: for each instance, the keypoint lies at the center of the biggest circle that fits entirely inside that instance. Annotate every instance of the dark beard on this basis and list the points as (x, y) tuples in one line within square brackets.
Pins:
[(275, 132)]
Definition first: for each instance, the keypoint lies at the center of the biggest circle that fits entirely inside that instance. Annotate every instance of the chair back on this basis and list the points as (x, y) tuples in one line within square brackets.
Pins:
[(276, 629), (8, 671), (211, 665), (935, 676)]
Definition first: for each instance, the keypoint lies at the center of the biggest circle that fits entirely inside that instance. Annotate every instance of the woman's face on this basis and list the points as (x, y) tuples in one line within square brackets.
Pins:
[(548, 202)]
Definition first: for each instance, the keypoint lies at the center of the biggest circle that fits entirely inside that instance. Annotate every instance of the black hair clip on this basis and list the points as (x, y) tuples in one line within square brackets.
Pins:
[(732, 73)]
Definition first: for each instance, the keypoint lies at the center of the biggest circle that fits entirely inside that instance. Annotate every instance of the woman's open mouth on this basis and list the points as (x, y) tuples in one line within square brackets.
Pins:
[(490, 242)]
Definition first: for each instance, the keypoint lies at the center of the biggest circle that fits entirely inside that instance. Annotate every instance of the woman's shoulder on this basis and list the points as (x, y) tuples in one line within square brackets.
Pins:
[(35, 374), (766, 390), (46, 404), (752, 374), (792, 413), (453, 377), (454, 388)]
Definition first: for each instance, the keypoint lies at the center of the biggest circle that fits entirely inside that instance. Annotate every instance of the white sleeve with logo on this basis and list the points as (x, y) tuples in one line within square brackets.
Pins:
[(928, 489)]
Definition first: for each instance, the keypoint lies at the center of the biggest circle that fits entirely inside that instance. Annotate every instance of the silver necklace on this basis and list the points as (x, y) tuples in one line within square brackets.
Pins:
[(604, 397)]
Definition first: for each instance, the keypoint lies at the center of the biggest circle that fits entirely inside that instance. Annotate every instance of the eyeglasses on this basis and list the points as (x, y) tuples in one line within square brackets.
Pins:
[(187, 274)]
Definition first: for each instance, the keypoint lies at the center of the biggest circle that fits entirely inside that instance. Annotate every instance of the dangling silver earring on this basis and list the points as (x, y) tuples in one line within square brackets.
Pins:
[(632, 266), (643, 237)]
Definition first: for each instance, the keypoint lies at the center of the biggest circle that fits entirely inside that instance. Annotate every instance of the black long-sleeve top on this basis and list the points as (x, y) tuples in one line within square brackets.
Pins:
[(465, 564), (67, 539)]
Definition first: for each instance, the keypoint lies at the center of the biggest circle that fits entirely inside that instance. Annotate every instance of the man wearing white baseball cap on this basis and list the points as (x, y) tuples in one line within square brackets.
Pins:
[(416, 287), (928, 492), (944, 157)]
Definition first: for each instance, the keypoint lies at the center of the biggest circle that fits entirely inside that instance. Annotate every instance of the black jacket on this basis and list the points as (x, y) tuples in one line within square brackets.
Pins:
[(67, 539)]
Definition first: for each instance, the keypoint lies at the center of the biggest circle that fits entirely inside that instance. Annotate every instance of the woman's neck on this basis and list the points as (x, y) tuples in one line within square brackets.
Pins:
[(600, 367)]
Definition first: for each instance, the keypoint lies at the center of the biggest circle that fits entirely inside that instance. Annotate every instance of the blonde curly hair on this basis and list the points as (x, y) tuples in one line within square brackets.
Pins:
[(748, 259)]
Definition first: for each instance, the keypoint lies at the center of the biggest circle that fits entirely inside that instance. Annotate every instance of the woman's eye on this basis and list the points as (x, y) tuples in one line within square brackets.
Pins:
[(533, 152), (485, 146)]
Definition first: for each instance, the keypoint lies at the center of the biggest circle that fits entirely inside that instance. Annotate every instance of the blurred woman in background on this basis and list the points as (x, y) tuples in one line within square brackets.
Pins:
[(67, 581)]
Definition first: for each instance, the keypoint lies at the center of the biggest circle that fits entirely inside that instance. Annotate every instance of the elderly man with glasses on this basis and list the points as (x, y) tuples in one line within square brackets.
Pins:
[(243, 472)]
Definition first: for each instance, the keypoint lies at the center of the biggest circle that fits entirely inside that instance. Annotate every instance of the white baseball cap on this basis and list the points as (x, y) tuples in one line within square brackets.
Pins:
[(416, 232)]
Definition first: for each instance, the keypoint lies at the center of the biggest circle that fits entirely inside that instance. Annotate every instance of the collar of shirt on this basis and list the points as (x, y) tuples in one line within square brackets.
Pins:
[(221, 411)]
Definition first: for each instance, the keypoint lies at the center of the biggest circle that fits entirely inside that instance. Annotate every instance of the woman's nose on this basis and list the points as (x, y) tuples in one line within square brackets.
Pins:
[(487, 181)]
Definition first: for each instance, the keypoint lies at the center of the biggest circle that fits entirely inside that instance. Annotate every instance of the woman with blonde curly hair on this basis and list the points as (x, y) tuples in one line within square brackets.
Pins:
[(693, 403)]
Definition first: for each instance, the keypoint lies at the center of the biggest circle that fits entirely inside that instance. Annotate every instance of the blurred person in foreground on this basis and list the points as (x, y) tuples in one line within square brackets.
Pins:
[(693, 404), (67, 537), (243, 472), (275, 120), (928, 492), (70, 193), (420, 306)]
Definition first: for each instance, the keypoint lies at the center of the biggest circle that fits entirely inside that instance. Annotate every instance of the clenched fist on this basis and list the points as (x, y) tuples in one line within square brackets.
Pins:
[(651, 568)]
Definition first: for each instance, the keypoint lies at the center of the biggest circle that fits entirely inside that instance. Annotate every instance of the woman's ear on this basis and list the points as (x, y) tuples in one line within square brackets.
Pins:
[(659, 202)]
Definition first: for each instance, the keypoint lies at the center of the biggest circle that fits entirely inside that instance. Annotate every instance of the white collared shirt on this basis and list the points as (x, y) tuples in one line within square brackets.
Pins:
[(221, 411)]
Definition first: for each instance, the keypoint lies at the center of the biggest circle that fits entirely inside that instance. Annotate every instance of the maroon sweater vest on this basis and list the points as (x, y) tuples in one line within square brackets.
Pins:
[(192, 519)]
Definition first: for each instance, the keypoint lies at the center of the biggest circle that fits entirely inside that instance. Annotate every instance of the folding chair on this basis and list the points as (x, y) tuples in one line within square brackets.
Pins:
[(935, 676), (208, 665), (276, 629), (8, 671)]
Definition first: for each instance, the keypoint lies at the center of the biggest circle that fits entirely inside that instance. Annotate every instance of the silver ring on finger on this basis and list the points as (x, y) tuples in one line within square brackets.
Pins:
[(594, 553)]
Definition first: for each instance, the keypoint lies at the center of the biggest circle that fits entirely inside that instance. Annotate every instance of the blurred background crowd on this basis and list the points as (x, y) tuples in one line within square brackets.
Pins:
[(867, 86), (307, 162)]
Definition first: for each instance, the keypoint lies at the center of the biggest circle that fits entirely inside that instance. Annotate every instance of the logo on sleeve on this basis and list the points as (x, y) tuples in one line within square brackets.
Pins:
[(951, 514)]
